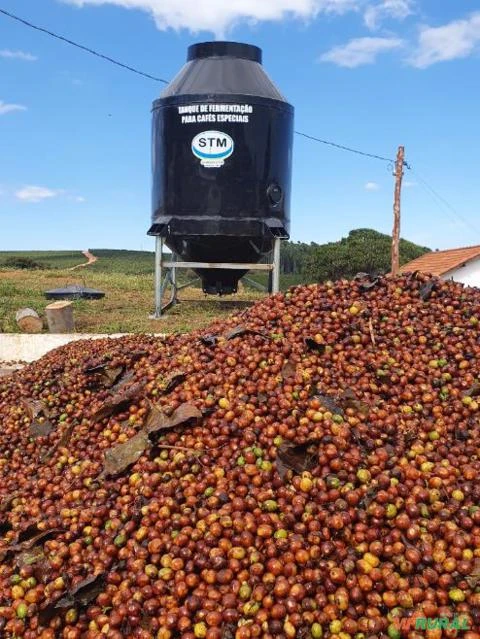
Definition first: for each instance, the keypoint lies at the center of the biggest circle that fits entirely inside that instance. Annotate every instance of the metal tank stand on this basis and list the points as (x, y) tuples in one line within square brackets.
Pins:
[(170, 277), (163, 282)]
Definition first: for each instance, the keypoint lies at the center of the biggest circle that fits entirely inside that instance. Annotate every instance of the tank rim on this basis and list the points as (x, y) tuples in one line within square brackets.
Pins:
[(220, 48)]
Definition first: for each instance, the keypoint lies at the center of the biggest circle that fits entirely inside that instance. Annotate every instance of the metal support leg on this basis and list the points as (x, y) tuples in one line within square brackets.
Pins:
[(174, 279), (174, 270), (276, 266), (158, 277)]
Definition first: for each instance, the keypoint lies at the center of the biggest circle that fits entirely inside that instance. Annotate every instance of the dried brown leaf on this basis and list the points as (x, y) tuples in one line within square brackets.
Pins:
[(136, 355), (330, 403), (228, 631), (65, 438), (367, 283), (312, 345), (36, 558), (209, 340), (105, 375), (348, 399), (43, 429), (339, 403), (427, 289), (368, 498), (95, 370), (473, 579), (28, 533), (123, 381), (7, 501), (289, 369), (119, 458), (119, 401), (473, 391), (243, 330), (81, 595), (39, 538), (413, 275), (29, 557), (5, 526), (34, 408), (84, 592), (171, 381), (62, 443), (157, 421), (296, 457)]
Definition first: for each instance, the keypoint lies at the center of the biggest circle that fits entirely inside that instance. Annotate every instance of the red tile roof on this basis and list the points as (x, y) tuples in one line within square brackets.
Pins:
[(441, 262)]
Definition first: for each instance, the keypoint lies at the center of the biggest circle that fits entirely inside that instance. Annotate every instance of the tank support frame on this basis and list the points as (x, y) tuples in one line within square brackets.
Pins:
[(166, 274)]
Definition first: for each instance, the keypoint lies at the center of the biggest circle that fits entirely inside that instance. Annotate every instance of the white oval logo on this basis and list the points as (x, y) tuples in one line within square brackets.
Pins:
[(212, 148)]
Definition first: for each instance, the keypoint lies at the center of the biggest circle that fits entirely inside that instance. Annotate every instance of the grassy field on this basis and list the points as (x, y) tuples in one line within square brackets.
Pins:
[(110, 261), (126, 277)]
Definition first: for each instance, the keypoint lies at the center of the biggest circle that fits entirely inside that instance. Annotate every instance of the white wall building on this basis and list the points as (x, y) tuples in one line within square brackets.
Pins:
[(468, 273), (460, 265)]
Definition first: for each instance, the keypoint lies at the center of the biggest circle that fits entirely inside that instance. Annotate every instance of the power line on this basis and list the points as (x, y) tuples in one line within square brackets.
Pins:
[(442, 202), (82, 47), (346, 148), (435, 195), (151, 77)]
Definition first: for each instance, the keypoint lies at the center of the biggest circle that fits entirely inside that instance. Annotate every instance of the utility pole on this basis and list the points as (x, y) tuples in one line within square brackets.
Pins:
[(396, 210)]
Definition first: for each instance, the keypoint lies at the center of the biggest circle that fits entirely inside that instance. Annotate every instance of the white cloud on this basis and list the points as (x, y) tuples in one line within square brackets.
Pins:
[(409, 185), (457, 39), (17, 55), (218, 16), (10, 108), (396, 9), (35, 193), (372, 186), (360, 51)]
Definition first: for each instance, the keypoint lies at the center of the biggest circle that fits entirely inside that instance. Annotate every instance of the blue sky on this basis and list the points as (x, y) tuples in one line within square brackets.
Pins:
[(372, 74)]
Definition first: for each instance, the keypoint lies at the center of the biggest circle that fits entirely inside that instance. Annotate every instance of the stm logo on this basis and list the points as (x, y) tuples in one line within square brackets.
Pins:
[(212, 148)]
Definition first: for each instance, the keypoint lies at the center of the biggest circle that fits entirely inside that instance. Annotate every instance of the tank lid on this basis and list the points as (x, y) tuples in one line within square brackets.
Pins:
[(224, 49)]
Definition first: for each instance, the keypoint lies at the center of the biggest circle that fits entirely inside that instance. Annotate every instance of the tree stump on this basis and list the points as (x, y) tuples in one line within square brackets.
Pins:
[(60, 317), (28, 321)]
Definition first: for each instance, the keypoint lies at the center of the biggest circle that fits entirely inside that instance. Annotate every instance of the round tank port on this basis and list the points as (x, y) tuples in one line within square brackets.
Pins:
[(275, 194)]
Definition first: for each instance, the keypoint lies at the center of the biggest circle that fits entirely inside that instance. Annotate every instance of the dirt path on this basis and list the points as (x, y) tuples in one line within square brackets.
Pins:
[(91, 259)]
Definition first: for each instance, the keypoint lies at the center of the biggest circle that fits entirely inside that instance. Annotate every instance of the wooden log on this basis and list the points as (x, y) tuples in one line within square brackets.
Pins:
[(28, 320), (60, 317)]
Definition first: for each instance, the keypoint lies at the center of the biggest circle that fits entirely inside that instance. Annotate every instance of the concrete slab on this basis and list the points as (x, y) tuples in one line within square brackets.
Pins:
[(22, 347), (6, 372)]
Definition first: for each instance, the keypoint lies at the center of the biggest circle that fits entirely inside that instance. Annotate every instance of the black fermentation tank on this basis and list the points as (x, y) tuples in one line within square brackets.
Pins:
[(222, 157)]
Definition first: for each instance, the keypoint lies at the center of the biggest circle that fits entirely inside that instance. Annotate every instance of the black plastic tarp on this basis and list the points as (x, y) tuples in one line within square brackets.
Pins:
[(74, 292)]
